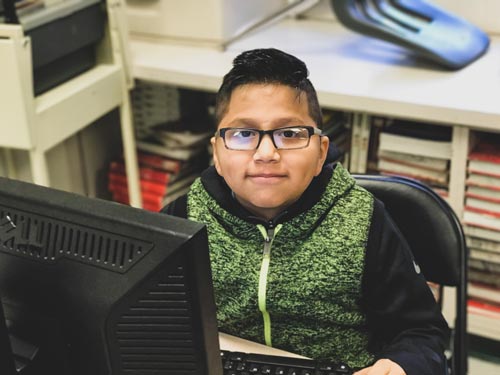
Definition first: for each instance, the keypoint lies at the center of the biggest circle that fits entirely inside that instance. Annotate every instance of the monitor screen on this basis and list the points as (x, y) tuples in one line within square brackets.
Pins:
[(96, 287)]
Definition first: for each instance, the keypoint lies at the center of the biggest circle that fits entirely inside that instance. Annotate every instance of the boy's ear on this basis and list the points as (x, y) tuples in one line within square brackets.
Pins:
[(213, 142), (324, 144)]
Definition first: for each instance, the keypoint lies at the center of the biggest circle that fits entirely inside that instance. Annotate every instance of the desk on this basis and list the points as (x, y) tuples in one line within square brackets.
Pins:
[(236, 344), (349, 71)]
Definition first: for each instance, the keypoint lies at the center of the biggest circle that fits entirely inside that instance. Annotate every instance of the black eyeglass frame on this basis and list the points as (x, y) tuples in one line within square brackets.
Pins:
[(311, 130)]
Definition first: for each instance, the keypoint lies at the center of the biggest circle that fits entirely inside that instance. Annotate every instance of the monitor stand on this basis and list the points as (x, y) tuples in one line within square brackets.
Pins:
[(15, 354), (7, 357)]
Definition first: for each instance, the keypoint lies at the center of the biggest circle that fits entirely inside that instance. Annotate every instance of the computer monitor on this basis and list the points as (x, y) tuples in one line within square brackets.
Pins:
[(102, 288)]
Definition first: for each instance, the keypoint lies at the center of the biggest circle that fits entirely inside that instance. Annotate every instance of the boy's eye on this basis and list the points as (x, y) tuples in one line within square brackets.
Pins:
[(288, 134), (244, 134), (291, 133)]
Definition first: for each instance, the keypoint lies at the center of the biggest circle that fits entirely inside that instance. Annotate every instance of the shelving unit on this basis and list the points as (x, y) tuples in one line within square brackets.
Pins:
[(38, 124), (357, 74)]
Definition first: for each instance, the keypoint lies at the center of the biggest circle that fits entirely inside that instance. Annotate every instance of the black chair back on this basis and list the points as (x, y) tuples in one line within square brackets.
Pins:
[(436, 239)]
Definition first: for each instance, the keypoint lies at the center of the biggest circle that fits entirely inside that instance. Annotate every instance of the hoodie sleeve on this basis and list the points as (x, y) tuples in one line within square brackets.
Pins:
[(402, 314)]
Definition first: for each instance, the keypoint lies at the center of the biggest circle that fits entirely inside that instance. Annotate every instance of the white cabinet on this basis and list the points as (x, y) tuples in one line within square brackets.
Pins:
[(38, 124)]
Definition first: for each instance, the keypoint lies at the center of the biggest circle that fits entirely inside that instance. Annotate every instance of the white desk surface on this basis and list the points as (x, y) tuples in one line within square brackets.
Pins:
[(236, 344), (349, 71)]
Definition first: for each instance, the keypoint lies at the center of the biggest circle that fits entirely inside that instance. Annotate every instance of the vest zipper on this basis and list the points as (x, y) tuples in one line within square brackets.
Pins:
[(269, 236)]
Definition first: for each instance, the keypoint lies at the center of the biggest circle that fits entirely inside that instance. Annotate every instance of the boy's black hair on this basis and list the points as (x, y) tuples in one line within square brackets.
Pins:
[(268, 66)]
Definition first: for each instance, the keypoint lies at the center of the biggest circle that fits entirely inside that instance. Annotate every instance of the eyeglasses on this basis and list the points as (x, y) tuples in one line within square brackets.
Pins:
[(288, 138)]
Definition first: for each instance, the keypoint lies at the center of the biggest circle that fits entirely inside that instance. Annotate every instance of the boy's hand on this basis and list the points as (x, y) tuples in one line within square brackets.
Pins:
[(382, 367)]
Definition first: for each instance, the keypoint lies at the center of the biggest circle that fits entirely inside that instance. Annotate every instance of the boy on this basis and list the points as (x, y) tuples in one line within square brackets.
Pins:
[(302, 258)]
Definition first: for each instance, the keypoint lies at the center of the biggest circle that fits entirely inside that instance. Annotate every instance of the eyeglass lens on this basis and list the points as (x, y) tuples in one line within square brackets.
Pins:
[(284, 138)]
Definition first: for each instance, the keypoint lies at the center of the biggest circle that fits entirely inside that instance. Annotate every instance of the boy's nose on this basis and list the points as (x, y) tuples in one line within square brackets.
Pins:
[(266, 149)]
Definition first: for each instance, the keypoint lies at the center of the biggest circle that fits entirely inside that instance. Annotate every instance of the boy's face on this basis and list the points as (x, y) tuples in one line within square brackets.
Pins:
[(268, 180)]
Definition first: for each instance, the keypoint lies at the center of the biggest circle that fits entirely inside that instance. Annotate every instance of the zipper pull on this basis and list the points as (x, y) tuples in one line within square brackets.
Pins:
[(268, 239)]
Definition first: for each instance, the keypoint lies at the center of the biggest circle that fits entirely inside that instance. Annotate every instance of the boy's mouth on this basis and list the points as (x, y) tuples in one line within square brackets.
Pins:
[(266, 177)]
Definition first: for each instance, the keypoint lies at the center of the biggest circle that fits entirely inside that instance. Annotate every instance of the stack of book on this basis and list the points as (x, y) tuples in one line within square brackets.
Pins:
[(175, 144), (162, 179), (153, 104), (156, 104), (482, 221), (483, 308), (154, 179), (416, 150), (173, 127)]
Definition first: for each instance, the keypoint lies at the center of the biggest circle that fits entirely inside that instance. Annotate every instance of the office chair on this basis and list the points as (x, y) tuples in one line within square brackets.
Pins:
[(427, 30), (437, 241)]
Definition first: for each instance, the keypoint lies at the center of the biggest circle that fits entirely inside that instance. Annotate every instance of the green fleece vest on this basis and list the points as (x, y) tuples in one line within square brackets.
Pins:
[(310, 283)]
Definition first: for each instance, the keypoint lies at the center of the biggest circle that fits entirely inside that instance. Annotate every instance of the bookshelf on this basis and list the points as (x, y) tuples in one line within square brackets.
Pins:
[(360, 75), (37, 124)]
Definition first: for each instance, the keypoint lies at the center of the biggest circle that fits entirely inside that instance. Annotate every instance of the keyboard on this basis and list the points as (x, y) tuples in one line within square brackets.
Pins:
[(236, 363)]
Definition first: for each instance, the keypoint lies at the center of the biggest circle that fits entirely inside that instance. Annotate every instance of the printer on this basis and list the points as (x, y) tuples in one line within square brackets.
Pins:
[(199, 22), (64, 35)]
